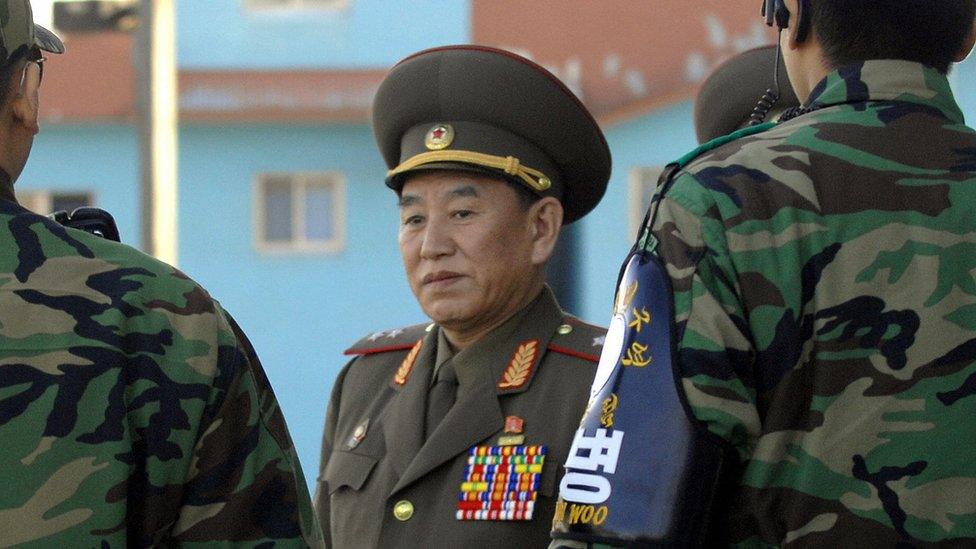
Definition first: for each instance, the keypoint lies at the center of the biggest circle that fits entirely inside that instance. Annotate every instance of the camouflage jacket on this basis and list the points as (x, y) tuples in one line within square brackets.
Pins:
[(825, 309), (133, 411)]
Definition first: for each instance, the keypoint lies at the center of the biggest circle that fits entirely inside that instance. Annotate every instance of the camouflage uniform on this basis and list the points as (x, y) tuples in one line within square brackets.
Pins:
[(826, 312), (133, 411)]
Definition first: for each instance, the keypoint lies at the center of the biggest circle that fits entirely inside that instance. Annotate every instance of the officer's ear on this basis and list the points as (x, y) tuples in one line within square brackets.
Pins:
[(546, 218), (967, 45), (24, 94)]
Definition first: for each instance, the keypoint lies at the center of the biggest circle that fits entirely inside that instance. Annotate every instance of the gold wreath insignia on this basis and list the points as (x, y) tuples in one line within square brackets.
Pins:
[(403, 373), (520, 367)]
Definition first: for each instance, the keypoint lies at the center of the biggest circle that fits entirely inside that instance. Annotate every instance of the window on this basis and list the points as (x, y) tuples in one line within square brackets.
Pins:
[(303, 212), (293, 5), (45, 202), (643, 183)]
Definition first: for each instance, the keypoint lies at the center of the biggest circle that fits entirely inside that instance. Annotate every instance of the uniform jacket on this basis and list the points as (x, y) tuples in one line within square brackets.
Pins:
[(826, 312), (541, 375), (133, 411)]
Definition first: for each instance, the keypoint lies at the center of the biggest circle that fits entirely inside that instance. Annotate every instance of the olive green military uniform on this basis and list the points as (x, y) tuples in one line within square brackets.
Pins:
[(399, 467), (383, 484)]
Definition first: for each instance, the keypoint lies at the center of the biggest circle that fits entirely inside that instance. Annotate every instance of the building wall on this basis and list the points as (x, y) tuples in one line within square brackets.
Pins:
[(101, 159), (963, 80), (652, 140), (365, 34), (300, 310)]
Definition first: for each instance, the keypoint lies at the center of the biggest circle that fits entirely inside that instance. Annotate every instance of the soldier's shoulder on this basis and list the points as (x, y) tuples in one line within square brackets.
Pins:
[(697, 178), (733, 148), (108, 271), (389, 341), (147, 273), (578, 339), (158, 284)]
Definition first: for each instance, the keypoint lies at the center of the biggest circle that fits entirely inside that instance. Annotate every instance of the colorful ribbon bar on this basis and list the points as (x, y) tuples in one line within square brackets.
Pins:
[(501, 482), (494, 515)]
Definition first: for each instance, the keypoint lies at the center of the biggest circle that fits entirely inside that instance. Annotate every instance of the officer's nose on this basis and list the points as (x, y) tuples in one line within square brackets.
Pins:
[(438, 240)]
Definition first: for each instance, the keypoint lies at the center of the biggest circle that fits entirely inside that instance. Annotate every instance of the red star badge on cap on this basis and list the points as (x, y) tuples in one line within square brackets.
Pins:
[(439, 137)]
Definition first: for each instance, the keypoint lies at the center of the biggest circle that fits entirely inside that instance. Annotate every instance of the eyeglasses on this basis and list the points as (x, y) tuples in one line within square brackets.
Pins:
[(37, 59)]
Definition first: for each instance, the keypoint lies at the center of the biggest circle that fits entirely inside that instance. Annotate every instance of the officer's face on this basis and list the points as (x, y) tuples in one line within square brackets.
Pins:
[(467, 246)]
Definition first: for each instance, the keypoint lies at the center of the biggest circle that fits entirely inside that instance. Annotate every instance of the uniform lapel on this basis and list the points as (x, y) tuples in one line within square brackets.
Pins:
[(527, 346), (477, 413), (474, 416), (403, 426)]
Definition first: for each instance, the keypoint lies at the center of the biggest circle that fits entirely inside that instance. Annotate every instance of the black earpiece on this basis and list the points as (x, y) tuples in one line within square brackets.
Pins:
[(776, 13), (802, 20)]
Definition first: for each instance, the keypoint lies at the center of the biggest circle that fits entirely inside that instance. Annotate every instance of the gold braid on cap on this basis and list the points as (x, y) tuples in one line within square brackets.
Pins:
[(508, 164)]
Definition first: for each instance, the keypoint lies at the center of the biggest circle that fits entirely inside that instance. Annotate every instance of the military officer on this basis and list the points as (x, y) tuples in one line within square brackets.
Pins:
[(453, 433), (728, 99)]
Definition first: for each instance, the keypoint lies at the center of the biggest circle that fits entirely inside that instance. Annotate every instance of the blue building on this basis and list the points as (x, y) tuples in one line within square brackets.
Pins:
[(283, 215)]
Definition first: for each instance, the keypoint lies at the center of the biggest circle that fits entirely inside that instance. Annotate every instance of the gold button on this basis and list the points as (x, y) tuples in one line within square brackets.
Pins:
[(544, 183), (565, 329), (403, 510)]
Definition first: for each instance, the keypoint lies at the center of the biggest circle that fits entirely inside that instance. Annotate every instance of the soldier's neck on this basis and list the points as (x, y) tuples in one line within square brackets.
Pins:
[(806, 66)]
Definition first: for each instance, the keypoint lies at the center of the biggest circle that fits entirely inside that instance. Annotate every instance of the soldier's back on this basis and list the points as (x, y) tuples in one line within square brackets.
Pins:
[(848, 237), (130, 404)]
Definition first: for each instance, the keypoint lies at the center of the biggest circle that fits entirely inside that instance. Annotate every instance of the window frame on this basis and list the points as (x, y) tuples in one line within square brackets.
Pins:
[(299, 182), (41, 201)]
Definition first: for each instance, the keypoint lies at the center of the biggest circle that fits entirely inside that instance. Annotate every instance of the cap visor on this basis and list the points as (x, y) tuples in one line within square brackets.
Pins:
[(47, 40)]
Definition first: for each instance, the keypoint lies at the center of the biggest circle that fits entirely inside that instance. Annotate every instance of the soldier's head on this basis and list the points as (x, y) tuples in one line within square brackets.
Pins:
[(490, 155), (727, 98), (840, 32), (21, 46)]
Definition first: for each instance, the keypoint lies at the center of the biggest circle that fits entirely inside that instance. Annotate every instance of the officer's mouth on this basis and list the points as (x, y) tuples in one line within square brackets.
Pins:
[(440, 279)]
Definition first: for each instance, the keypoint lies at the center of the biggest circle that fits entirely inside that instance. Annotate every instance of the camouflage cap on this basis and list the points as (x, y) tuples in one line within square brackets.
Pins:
[(484, 109), (19, 34), (728, 96)]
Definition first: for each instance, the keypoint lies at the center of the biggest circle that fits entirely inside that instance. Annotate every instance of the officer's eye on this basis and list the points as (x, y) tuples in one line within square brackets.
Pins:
[(462, 214), (413, 220)]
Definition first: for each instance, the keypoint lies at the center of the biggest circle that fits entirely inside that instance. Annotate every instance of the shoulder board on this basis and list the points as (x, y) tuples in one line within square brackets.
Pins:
[(397, 339), (719, 141), (578, 339)]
